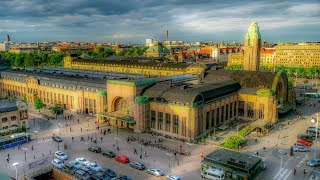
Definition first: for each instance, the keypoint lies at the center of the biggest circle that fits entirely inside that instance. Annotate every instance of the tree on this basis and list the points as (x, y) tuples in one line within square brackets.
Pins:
[(38, 104), (233, 142), (24, 99)]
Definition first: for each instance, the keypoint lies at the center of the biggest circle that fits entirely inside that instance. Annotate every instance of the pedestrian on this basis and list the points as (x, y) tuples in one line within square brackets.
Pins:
[(294, 171), (8, 160), (88, 137), (70, 129), (32, 147), (201, 155), (101, 131), (78, 121), (105, 131), (81, 129), (118, 149), (145, 154), (91, 138), (257, 153), (8, 155), (304, 171), (72, 139), (101, 138)]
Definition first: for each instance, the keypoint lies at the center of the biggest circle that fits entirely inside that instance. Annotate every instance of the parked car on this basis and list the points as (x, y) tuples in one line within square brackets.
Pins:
[(306, 143), (60, 155), (109, 153), (94, 166), (76, 164), (122, 177), (305, 137), (95, 149), (313, 133), (155, 171), (122, 159), (137, 165), (100, 176), (82, 161), (300, 149), (88, 170), (57, 163), (57, 138), (313, 162), (213, 174), (173, 177), (80, 174), (70, 168), (109, 172), (313, 128)]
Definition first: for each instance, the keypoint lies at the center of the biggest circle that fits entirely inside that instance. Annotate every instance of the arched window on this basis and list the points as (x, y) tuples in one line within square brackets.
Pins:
[(120, 104)]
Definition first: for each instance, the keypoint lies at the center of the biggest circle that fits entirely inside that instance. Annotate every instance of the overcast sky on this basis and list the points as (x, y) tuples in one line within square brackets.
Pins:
[(131, 21)]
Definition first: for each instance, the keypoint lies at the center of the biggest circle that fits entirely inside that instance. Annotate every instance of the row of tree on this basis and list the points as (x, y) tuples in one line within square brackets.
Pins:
[(54, 59), (300, 72)]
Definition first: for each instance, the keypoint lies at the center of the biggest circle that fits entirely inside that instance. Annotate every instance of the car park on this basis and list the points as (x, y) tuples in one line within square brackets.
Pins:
[(94, 166), (122, 159), (70, 168), (57, 138), (313, 162), (100, 176), (82, 175), (155, 171), (109, 154), (57, 163), (95, 149), (76, 164), (306, 143), (137, 165), (60, 155), (83, 161), (173, 177), (300, 149), (109, 172)]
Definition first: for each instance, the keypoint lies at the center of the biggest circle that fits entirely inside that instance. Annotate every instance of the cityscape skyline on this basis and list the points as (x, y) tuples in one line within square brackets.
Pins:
[(133, 21)]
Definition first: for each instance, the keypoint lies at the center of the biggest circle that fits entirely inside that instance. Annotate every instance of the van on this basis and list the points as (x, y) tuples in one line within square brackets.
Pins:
[(305, 137), (213, 174)]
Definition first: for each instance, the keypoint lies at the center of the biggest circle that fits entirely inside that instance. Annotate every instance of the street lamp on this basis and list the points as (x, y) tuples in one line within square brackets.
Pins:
[(140, 151), (281, 152), (169, 155), (25, 154), (15, 166), (117, 139), (317, 125)]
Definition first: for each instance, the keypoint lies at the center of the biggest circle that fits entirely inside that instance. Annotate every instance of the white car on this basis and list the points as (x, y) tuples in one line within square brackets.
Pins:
[(94, 166), (60, 155), (83, 161), (155, 171), (57, 163), (75, 164)]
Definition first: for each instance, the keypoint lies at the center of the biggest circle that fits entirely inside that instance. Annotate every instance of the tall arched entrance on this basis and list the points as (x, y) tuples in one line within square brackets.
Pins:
[(120, 104)]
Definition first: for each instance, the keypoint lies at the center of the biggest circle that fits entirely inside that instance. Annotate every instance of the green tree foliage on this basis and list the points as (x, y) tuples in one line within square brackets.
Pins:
[(24, 99), (38, 104), (57, 109), (233, 142), (135, 51), (234, 67)]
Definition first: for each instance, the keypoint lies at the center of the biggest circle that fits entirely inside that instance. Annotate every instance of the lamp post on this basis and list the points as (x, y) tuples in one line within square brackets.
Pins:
[(117, 139), (317, 125), (15, 166), (25, 154), (281, 152), (169, 156), (140, 151)]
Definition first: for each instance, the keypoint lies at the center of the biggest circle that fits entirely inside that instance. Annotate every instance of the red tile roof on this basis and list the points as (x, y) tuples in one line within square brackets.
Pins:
[(267, 50)]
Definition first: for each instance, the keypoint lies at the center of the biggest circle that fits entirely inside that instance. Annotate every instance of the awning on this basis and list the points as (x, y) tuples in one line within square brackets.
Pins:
[(117, 116)]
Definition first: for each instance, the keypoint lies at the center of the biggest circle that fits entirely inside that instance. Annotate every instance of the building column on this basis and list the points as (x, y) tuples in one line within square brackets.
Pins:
[(156, 125), (171, 123)]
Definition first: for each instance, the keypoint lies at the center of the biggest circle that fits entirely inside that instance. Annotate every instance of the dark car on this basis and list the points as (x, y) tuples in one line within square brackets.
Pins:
[(100, 176), (137, 165), (109, 172), (81, 175), (57, 138), (109, 153), (122, 177), (95, 149), (88, 170), (70, 168)]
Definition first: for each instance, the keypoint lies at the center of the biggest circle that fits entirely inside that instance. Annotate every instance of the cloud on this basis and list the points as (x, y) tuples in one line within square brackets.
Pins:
[(35, 20)]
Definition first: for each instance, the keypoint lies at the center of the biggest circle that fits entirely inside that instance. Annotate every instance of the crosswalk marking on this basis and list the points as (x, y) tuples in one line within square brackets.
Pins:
[(285, 173), (311, 178)]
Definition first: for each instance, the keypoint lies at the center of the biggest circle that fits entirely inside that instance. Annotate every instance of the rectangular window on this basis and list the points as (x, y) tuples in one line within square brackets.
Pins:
[(160, 120), (241, 109), (227, 111), (222, 114), (13, 118), (218, 115), (168, 122), (230, 111), (4, 120), (175, 124), (250, 110), (153, 119), (184, 126), (212, 118), (261, 111), (207, 120)]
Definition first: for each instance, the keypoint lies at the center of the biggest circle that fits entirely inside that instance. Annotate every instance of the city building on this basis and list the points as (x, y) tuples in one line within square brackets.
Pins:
[(175, 99), (218, 54), (252, 46), (13, 116), (304, 55), (150, 68), (149, 41), (267, 57), (5, 46), (235, 165), (157, 50)]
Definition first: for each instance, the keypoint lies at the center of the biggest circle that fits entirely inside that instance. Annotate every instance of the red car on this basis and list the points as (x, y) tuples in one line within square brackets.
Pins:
[(306, 143), (122, 159)]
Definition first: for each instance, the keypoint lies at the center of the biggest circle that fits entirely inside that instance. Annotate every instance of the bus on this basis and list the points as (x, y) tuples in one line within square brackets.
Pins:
[(14, 139)]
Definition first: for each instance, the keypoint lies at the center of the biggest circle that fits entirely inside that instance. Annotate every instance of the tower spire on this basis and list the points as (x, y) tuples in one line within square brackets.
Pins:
[(252, 46)]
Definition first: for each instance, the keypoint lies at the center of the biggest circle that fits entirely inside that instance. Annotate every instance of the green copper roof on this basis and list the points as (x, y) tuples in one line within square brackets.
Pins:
[(253, 32), (141, 100)]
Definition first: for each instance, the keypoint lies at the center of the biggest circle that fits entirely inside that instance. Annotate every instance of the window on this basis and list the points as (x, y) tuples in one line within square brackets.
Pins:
[(230, 111), (218, 115), (4, 120), (168, 122), (212, 118), (250, 110), (13, 118), (222, 114), (153, 119), (207, 120), (241, 108), (160, 120), (261, 111), (175, 124)]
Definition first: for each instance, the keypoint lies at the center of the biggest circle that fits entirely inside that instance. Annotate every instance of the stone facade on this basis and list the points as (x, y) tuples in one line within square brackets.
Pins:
[(252, 46)]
